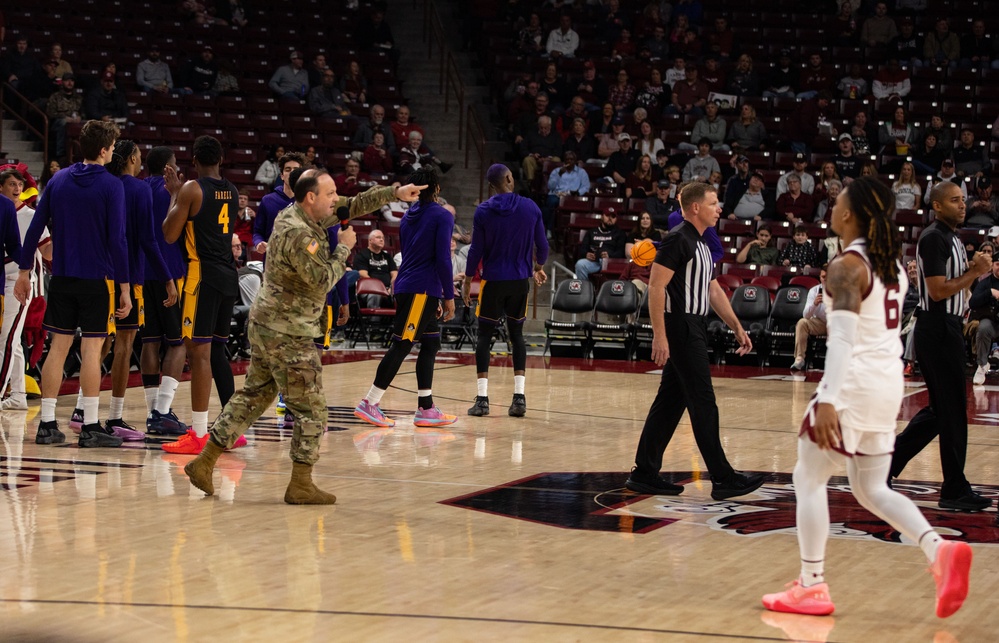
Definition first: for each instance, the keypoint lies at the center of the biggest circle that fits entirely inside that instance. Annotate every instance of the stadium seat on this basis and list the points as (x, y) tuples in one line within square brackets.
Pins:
[(788, 308), (573, 297), (617, 298)]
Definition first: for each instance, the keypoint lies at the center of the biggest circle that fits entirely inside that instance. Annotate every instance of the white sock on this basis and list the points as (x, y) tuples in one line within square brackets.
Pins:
[(150, 394), (812, 573), (518, 384), (929, 543), (374, 395), (79, 400), (164, 399), (90, 408), (482, 387), (424, 392), (199, 422), (117, 406), (48, 409)]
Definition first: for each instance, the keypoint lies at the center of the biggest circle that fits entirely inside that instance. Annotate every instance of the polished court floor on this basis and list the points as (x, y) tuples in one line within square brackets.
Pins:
[(493, 529)]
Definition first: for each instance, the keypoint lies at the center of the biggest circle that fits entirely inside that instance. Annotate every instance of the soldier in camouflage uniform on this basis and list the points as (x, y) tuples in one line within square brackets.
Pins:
[(301, 268)]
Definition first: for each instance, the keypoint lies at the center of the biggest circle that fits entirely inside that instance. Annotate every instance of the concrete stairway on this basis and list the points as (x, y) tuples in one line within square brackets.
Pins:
[(18, 144)]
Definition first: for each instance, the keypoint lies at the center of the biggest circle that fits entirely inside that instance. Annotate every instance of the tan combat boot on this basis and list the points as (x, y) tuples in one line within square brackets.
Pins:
[(301, 489), (200, 469)]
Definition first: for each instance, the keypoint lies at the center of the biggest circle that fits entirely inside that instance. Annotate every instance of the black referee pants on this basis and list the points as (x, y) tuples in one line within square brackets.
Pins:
[(685, 385), (940, 350)]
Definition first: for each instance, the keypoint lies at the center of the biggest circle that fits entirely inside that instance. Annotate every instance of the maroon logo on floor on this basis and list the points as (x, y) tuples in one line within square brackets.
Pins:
[(599, 502)]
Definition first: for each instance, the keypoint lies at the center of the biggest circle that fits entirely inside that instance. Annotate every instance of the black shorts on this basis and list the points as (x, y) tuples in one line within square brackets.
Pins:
[(161, 323), (498, 298), (415, 316), (206, 313), (136, 317), (87, 304)]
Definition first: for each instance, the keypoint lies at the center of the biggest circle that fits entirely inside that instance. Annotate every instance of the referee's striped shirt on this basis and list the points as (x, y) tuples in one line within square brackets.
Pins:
[(940, 253), (685, 253)]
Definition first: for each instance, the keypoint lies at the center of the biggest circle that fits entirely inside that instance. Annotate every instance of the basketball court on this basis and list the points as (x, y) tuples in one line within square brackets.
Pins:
[(492, 529)]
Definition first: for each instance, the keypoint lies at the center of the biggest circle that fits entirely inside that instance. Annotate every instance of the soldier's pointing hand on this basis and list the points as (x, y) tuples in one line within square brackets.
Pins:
[(409, 192)]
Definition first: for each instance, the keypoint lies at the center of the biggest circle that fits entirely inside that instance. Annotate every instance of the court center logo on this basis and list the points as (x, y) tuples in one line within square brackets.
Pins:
[(599, 502)]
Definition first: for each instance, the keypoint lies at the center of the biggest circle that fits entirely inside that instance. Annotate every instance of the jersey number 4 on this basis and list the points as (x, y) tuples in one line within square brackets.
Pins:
[(224, 218), (893, 307)]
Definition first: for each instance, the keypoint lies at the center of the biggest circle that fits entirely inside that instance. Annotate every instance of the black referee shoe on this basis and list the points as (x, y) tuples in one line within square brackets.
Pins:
[(481, 406), (651, 484), (738, 484), (970, 500), (518, 408)]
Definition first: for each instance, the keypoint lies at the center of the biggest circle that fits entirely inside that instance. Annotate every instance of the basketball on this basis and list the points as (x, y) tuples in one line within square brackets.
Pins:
[(643, 252)]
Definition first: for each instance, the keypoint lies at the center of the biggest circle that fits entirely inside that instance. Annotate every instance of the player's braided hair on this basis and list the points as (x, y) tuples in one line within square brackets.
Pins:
[(873, 203), (428, 177), (123, 150)]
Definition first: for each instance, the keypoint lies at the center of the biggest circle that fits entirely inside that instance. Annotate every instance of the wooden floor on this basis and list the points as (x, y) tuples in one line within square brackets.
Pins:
[(495, 529)]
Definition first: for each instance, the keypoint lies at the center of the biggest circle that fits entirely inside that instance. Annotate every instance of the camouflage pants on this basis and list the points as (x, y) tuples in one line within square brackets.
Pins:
[(280, 363)]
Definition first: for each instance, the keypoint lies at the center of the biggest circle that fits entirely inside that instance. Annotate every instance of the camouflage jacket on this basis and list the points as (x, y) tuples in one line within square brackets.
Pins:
[(61, 105), (302, 267)]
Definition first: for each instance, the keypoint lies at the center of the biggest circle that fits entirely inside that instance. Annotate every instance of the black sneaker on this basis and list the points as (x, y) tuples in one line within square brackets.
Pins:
[(94, 435), (970, 500), (481, 406), (518, 408), (165, 424), (654, 485), (738, 484), (49, 433)]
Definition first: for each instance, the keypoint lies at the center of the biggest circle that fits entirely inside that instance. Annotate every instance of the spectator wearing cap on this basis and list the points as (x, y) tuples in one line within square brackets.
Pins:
[(795, 205), (562, 41), (983, 206), (906, 47), (106, 102), (891, 82), (611, 141), (879, 29), (814, 78), (291, 81), (853, 86), (661, 204), (737, 184), (805, 178), (539, 145), (606, 241), (199, 72), (753, 205), (946, 173), (747, 133), (971, 158), (701, 165), (622, 163), (153, 74), (591, 87), (710, 127), (64, 106), (782, 82), (848, 164), (941, 46), (690, 95), (743, 81)]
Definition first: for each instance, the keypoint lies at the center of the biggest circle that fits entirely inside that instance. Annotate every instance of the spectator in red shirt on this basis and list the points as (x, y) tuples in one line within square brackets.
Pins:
[(794, 205), (244, 222), (402, 126), (349, 183), (377, 159), (720, 39), (690, 95), (814, 78)]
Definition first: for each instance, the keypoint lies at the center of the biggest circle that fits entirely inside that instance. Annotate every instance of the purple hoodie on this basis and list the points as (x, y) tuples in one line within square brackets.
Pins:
[(508, 237), (425, 240)]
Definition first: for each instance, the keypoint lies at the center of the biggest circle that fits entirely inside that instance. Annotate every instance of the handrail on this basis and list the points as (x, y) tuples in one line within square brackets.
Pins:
[(26, 105), (556, 266), (454, 82), (476, 136)]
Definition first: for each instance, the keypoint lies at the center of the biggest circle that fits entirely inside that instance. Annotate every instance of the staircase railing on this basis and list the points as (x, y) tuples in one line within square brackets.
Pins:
[(18, 107)]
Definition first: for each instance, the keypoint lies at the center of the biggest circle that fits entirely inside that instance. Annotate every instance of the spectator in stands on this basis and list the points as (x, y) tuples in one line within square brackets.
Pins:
[(795, 206), (761, 250), (641, 181), (747, 133), (554, 86), (61, 66), (814, 78), (377, 159), (610, 21), (878, 29), (570, 179), (197, 12), (622, 93), (828, 173), (528, 121), (897, 135), (908, 194), (417, 155), (563, 41), (199, 73), (690, 95), (291, 81), (941, 46), (847, 163), (531, 39), (812, 322), (64, 106), (317, 68), (353, 84), (353, 181), (946, 173), (231, 12), (537, 146), (737, 184), (226, 83), (853, 86), (701, 165), (929, 156), (945, 140), (375, 34), (800, 253), (677, 72), (269, 171), (591, 87), (782, 82), (805, 178), (273, 202), (869, 168), (864, 132), (823, 212), (971, 158), (753, 205), (648, 142), (712, 74), (690, 10), (644, 229), (520, 95), (603, 242), (660, 205), (906, 47), (152, 74), (325, 100), (657, 44), (983, 304), (624, 47), (843, 32), (977, 49), (622, 163), (711, 127), (652, 17), (983, 206), (653, 95), (365, 134), (892, 82), (577, 109), (243, 228), (610, 142), (20, 66), (678, 34), (107, 102), (638, 275), (743, 81), (376, 262), (41, 85), (580, 142), (720, 39), (312, 158)]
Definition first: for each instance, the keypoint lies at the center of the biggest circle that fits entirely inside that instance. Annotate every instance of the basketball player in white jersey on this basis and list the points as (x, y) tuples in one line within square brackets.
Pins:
[(851, 417)]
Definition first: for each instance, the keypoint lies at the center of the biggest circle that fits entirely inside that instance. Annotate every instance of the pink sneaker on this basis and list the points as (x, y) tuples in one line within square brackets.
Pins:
[(125, 431), (240, 442), (76, 420), (951, 570), (433, 417), (796, 599), (372, 414)]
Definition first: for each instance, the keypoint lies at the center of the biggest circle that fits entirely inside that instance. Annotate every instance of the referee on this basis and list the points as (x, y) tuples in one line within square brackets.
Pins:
[(678, 308), (944, 277), (508, 236)]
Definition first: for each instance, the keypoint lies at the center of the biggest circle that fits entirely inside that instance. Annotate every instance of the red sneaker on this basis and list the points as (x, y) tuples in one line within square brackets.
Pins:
[(796, 599), (951, 570), (189, 443)]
